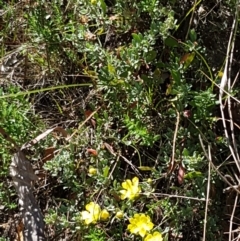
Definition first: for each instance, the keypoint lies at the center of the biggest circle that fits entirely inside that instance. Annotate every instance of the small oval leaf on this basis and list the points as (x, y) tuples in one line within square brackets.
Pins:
[(145, 168)]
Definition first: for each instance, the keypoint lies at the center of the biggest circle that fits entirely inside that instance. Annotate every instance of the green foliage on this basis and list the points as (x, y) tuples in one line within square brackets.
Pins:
[(16, 119), (152, 101), (95, 235)]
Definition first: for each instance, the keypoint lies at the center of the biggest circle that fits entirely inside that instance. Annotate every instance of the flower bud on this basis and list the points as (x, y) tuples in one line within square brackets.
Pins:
[(149, 180), (92, 171), (104, 215), (119, 214)]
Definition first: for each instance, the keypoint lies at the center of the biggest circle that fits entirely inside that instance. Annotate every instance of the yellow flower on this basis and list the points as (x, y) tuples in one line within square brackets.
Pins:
[(140, 224), (92, 171), (156, 236), (132, 189), (92, 214), (104, 215), (149, 180), (119, 214)]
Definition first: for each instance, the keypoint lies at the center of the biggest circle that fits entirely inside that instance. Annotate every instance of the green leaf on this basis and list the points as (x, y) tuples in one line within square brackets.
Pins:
[(157, 75), (185, 152), (117, 82), (137, 37), (193, 35), (171, 42), (103, 6), (187, 59), (145, 78), (111, 69), (193, 175), (106, 171), (151, 55), (169, 89), (176, 75), (146, 168), (124, 74)]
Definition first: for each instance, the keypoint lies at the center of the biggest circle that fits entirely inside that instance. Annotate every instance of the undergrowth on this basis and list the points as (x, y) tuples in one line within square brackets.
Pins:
[(135, 170), (17, 119)]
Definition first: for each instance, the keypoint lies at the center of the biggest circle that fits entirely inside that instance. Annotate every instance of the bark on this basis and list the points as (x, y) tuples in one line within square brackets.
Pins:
[(23, 176)]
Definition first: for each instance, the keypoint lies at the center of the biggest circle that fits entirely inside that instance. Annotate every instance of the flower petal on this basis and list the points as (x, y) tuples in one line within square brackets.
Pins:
[(124, 194), (94, 211), (137, 215), (140, 224), (104, 215), (133, 228), (127, 184), (156, 236), (85, 214), (135, 181), (91, 206), (132, 190), (87, 217), (142, 232)]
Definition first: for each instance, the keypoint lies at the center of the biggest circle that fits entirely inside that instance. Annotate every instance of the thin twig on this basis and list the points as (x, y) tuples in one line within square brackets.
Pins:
[(191, 19), (131, 165), (232, 216), (175, 135), (207, 195), (80, 126), (229, 103), (220, 88), (178, 196), (226, 81), (175, 138), (216, 169)]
